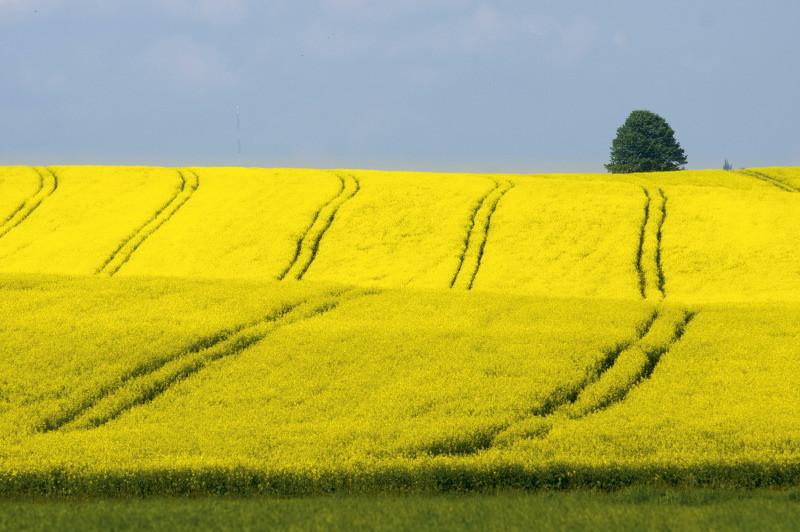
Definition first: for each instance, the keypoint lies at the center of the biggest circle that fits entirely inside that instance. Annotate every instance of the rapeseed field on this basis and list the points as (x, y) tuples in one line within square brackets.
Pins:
[(230, 330)]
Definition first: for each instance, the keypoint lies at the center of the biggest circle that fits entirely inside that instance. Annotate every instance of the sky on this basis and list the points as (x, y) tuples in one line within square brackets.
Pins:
[(461, 85)]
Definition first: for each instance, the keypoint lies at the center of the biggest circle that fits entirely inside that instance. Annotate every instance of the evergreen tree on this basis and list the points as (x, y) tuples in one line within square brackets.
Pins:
[(645, 143)]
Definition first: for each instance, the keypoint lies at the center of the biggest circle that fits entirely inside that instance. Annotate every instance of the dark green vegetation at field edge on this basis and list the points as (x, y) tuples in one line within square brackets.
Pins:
[(630, 509)]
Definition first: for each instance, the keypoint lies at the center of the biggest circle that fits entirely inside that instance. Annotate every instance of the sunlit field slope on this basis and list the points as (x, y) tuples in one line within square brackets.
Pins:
[(240, 223), (721, 236), (287, 331), (78, 216)]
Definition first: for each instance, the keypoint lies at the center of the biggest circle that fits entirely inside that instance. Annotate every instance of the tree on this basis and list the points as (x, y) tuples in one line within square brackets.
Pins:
[(645, 143)]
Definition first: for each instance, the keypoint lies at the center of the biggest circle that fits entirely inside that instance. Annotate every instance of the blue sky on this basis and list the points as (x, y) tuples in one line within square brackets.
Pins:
[(408, 84)]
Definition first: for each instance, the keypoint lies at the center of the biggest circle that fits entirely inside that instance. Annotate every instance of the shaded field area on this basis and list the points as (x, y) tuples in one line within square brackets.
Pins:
[(234, 387), (633, 509)]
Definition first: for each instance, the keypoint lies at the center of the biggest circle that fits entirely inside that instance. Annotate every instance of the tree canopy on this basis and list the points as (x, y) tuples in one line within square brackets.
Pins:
[(645, 143)]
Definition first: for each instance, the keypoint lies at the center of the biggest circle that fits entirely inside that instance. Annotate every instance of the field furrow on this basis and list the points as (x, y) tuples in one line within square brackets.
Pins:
[(48, 183), (308, 244), (470, 228), (477, 234), (539, 419), (786, 187), (146, 383), (605, 382), (540, 416), (633, 366), (648, 252), (123, 253), (788, 175), (640, 247), (661, 279), (766, 178), (69, 415)]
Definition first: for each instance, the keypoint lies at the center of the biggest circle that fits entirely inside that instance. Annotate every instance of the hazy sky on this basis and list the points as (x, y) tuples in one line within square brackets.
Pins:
[(419, 84)]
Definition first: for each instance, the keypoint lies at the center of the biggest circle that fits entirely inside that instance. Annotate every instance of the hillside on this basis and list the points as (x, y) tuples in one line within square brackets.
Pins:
[(720, 236), (290, 331)]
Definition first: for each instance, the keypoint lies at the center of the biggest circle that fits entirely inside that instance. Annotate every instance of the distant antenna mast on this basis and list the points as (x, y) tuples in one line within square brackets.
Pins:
[(238, 134)]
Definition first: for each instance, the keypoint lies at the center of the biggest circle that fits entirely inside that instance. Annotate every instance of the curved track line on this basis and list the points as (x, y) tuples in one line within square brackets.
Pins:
[(558, 408), (470, 227), (557, 401), (643, 358), (477, 236), (299, 244), (563, 402), (56, 421), (308, 244), (661, 279), (15, 211), (508, 185), (146, 382), (640, 248), (561, 398), (786, 187), (123, 253), (24, 203), (648, 264), (48, 184)]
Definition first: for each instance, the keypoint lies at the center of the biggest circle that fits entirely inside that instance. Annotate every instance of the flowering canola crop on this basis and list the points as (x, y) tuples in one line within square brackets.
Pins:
[(298, 331)]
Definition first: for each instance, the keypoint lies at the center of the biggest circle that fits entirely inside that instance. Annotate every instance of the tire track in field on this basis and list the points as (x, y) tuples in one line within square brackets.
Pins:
[(619, 370), (48, 184), (640, 247), (565, 396), (123, 253), (594, 393), (642, 359), (786, 187), (661, 278), (561, 397), (189, 183), (650, 246), (648, 261), (652, 229), (469, 262), (307, 245), (151, 379)]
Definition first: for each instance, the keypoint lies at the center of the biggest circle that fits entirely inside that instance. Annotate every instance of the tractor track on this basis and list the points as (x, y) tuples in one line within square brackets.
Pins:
[(566, 403), (645, 355), (640, 247), (307, 245), (144, 383), (556, 401), (123, 253), (48, 184), (661, 278), (598, 389), (477, 236), (562, 397), (766, 178), (648, 259)]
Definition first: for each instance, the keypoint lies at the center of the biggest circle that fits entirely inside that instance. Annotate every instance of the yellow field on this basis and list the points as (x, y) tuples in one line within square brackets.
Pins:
[(273, 330)]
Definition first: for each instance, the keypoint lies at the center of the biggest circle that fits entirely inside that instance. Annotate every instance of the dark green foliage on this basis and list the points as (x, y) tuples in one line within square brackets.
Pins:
[(423, 477), (645, 143)]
